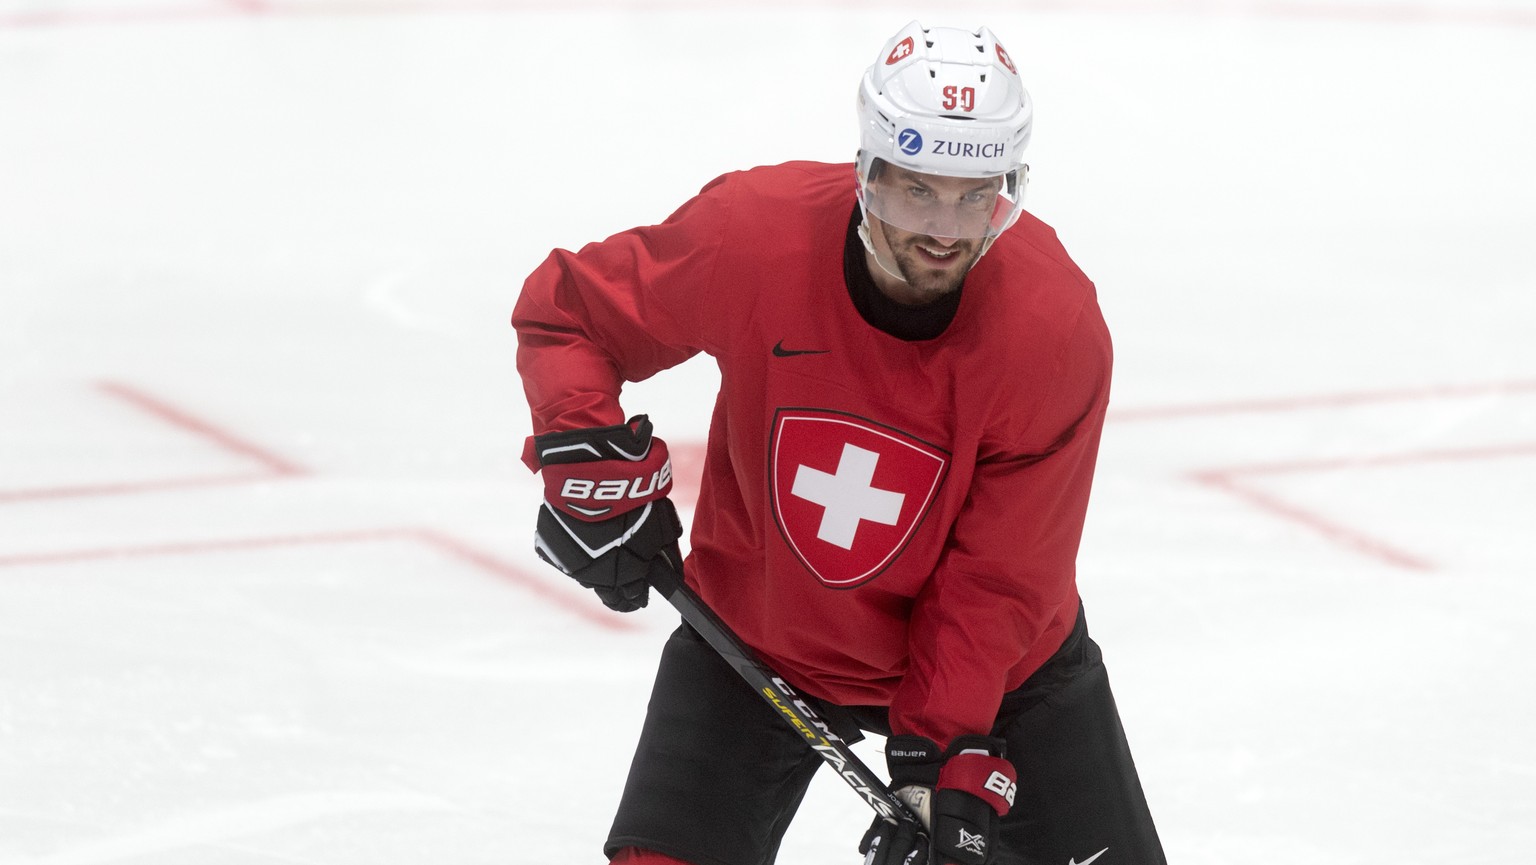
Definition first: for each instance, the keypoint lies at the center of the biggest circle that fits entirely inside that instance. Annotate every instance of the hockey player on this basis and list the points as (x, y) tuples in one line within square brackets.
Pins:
[(914, 379)]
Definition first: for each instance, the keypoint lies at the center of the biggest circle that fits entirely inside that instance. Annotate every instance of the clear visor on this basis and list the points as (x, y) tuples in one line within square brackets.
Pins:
[(944, 206)]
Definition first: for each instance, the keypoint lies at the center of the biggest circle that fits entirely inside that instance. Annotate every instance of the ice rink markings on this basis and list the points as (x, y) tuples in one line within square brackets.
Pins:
[(271, 467), (1240, 480)]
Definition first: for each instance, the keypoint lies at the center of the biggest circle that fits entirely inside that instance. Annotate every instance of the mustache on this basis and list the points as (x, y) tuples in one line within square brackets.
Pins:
[(963, 244)]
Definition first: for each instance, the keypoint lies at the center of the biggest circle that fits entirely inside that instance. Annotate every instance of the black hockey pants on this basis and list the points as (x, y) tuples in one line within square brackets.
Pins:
[(717, 775)]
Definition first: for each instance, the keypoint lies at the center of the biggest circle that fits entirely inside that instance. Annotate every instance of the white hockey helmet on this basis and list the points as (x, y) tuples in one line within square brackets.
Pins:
[(944, 101)]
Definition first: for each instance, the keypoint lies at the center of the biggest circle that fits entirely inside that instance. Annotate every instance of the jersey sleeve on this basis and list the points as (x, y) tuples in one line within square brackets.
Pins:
[(1008, 573), (616, 311)]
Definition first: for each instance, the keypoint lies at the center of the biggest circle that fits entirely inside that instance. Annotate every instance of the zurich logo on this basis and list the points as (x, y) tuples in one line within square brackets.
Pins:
[(910, 141)]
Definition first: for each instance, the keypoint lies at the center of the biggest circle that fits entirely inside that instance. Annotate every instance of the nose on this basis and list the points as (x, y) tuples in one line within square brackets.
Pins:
[(945, 228)]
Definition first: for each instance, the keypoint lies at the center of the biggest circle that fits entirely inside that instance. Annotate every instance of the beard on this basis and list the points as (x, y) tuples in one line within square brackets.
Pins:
[(926, 279)]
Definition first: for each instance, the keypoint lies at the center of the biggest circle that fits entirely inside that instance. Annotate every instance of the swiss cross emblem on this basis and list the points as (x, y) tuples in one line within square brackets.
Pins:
[(902, 51), (1006, 60), (849, 493)]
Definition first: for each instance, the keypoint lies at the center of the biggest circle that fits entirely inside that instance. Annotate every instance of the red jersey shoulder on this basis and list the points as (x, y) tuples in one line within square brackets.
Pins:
[(795, 184), (1029, 284), (1039, 316), (1034, 246), (782, 219)]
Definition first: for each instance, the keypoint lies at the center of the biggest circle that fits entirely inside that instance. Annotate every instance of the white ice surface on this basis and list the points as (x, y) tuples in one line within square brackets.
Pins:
[(267, 595)]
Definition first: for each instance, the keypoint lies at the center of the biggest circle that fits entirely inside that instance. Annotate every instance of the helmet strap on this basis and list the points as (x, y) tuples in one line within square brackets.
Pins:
[(869, 244), (986, 244)]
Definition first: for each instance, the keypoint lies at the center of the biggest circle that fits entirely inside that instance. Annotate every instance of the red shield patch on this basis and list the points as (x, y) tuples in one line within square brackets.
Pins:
[(848, 493)]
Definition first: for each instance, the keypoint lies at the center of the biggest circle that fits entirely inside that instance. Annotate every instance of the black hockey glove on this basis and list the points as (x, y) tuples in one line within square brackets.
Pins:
[(959, 795), (894, 842), (606, 514)]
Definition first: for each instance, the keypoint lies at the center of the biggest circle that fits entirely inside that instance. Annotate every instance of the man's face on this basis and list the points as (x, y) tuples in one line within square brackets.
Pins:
[(931, 227)]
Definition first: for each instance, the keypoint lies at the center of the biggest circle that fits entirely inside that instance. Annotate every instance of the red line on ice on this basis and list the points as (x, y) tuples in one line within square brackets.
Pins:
[(1438, 455), (1333, 530), (1229, 480), (201, 428), (1334, 400), (272, 465), (582, 607)]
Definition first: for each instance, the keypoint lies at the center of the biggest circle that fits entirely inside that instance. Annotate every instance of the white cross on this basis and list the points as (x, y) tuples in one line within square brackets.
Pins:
[(849, 497)]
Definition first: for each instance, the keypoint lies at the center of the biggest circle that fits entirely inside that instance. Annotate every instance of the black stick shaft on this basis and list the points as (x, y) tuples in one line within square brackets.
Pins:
[(789, 705)]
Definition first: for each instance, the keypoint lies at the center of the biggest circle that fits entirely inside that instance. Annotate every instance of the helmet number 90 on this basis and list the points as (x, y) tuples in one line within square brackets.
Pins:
[(963, 98)]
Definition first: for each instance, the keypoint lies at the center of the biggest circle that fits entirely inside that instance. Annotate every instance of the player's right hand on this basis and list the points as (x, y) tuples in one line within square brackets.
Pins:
[(606, 515)]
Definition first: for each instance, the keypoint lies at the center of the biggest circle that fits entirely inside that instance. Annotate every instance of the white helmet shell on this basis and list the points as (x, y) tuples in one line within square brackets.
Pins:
[(944, 101)]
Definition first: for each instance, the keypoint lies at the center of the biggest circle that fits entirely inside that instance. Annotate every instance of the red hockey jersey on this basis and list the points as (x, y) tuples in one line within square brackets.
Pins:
[(887, 522)]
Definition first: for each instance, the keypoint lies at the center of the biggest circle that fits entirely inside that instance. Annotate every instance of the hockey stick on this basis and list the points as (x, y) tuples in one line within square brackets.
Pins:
[(789, 705)]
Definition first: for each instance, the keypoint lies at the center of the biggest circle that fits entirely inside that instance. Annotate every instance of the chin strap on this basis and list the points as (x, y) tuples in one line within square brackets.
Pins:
[(874, 253)]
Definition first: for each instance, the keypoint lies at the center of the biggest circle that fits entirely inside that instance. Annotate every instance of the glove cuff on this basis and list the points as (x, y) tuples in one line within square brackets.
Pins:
[(980, 772), (913, 760), (626, 441), (599, 473), (971, 764)]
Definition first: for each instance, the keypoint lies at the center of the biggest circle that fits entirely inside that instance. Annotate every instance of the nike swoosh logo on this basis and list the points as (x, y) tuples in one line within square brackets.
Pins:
[(1073, 861), (780, 351)]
